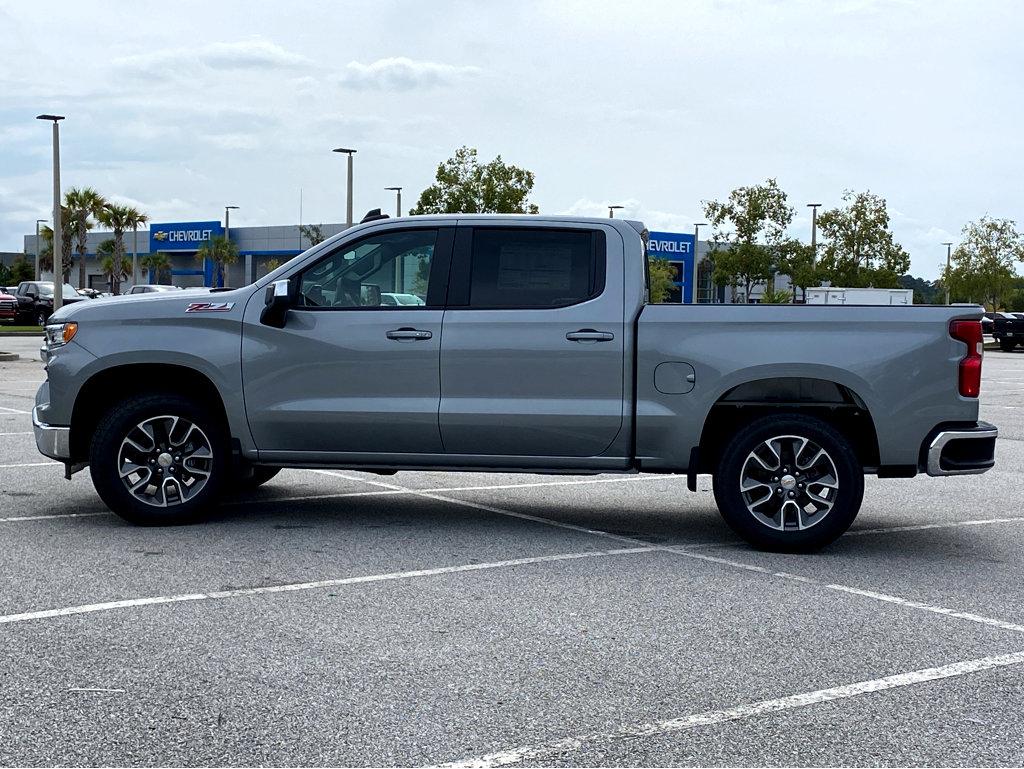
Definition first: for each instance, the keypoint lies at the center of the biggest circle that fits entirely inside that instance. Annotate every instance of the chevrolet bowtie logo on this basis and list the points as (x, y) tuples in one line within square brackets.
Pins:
[(160, 235)]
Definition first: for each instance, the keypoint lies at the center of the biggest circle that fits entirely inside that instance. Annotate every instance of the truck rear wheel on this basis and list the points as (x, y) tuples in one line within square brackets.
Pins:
[(1007, 345), (789, 483), (159, 460)]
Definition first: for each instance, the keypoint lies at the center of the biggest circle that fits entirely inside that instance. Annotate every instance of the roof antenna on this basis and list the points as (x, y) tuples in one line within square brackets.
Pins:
[(373, 215)]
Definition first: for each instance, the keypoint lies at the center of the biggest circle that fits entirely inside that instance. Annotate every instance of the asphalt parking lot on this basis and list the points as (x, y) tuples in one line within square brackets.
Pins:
[(340, 618)]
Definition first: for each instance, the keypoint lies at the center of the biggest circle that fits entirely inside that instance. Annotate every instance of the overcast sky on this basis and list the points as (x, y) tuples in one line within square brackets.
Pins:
[(183, 107)]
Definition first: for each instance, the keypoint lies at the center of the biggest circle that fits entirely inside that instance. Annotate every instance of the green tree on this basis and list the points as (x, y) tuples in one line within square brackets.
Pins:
[(114, 267), (858, 248), (46, 252), (118, 218), (983, 267), (771, 296), (749, 240), (314, 233), (660, 275), (135, 220), (22, 269), (463, 186), (160, 263), (798, 262), (83, 205), (221, 252)]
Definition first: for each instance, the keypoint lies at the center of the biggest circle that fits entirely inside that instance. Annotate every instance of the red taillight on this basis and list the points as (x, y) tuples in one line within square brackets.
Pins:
[(969, 332)]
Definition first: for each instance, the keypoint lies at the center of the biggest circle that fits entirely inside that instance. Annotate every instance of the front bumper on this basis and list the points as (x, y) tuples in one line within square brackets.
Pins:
[(962, 449), (51, 440)]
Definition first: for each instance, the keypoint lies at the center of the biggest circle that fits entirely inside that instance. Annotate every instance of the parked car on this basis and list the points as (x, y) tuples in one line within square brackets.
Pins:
[(1008, 330), (151, 288), (35, 300), (405, 300), (551, 360), (8, 307)]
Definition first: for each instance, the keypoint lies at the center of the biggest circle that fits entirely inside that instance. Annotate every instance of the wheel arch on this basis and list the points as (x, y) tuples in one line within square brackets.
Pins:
[(833, 402), (109, 386)]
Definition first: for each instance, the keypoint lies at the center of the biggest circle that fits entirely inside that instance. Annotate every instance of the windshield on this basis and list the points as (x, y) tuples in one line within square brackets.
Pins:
[(46, 289)]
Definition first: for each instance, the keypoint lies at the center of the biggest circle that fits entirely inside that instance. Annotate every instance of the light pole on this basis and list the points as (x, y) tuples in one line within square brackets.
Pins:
[(227, 237), (949, 259), (58, 239), (696, 242), (398, 199), (348, 203), (38, 274), (814, 231), (611, 211)]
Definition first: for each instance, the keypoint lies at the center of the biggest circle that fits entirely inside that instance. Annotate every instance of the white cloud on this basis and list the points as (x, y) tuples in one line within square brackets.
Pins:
[(656, 221), (254, 54), (402, 74)]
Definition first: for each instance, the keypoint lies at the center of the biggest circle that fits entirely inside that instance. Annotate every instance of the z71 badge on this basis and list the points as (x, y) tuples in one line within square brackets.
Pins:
[(209, 306)]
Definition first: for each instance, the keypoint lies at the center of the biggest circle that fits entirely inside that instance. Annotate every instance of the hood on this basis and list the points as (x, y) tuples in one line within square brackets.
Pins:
[(144, 306)]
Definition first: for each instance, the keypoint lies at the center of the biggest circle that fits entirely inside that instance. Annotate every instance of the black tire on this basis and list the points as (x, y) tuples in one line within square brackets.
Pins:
[(203, 459), (1007, 345), (41, 317), (776, 522), (252, 478)]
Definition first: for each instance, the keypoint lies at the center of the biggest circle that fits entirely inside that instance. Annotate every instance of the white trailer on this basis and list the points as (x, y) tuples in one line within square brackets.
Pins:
[(886, 296)]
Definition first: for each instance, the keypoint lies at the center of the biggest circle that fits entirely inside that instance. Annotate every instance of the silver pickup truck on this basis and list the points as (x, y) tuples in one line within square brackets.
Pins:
[(535, 349)]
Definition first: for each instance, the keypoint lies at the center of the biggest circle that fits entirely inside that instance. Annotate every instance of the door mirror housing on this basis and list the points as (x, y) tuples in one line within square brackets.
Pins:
[(276, 304)]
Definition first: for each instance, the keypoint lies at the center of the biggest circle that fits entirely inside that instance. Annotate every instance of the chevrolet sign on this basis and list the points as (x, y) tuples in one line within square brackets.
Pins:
[(182, 236)]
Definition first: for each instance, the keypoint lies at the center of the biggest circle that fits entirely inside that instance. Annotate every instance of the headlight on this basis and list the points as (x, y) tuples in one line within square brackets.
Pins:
[(59, 334)]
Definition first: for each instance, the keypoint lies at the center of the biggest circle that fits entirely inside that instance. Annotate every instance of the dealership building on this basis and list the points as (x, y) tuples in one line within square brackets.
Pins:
[(261, 248)]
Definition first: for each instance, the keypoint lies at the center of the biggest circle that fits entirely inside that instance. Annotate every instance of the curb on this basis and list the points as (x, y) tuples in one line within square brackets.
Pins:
[(38, 333), (7, 357)]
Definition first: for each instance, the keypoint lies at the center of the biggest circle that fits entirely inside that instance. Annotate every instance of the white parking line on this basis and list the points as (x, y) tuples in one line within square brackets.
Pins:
[(297, 586), (14, 411), (18, 518), (28, 464), (541, 754), (686, 553), (29, 432)]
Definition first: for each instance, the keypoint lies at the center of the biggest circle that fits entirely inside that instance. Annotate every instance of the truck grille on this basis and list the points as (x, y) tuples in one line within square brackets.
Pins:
[(7, 305)]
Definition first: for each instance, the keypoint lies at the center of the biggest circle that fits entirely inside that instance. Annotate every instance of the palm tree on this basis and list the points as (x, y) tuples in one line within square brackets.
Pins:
[(46, 252), (136, 218), (160, 263), (220, 251), (82, 204), (118, 219), (115, 269)]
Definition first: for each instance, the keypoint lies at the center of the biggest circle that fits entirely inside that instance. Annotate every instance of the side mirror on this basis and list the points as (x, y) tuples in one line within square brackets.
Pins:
[(277, 302), (32, 295)]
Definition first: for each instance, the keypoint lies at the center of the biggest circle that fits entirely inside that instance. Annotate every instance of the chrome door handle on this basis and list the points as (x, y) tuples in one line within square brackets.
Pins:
[(403, 334), (589, 335)]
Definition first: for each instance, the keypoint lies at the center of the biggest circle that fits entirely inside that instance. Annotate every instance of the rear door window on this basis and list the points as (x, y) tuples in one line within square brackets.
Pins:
[(521, 267)]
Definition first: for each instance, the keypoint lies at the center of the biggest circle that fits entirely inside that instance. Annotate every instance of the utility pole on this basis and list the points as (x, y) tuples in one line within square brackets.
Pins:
[(949, 260), (398, 202), (39, 275), (227, 237), (695, 293), (58, 237), (814, 231), (348, 202)]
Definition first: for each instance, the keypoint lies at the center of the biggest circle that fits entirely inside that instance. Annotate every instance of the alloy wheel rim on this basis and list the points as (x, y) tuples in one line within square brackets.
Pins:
[(789, 483), (165, 461)]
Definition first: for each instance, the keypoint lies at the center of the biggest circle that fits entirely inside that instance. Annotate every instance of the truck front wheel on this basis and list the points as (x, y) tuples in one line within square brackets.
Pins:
[(159, 460), (789, 483)]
